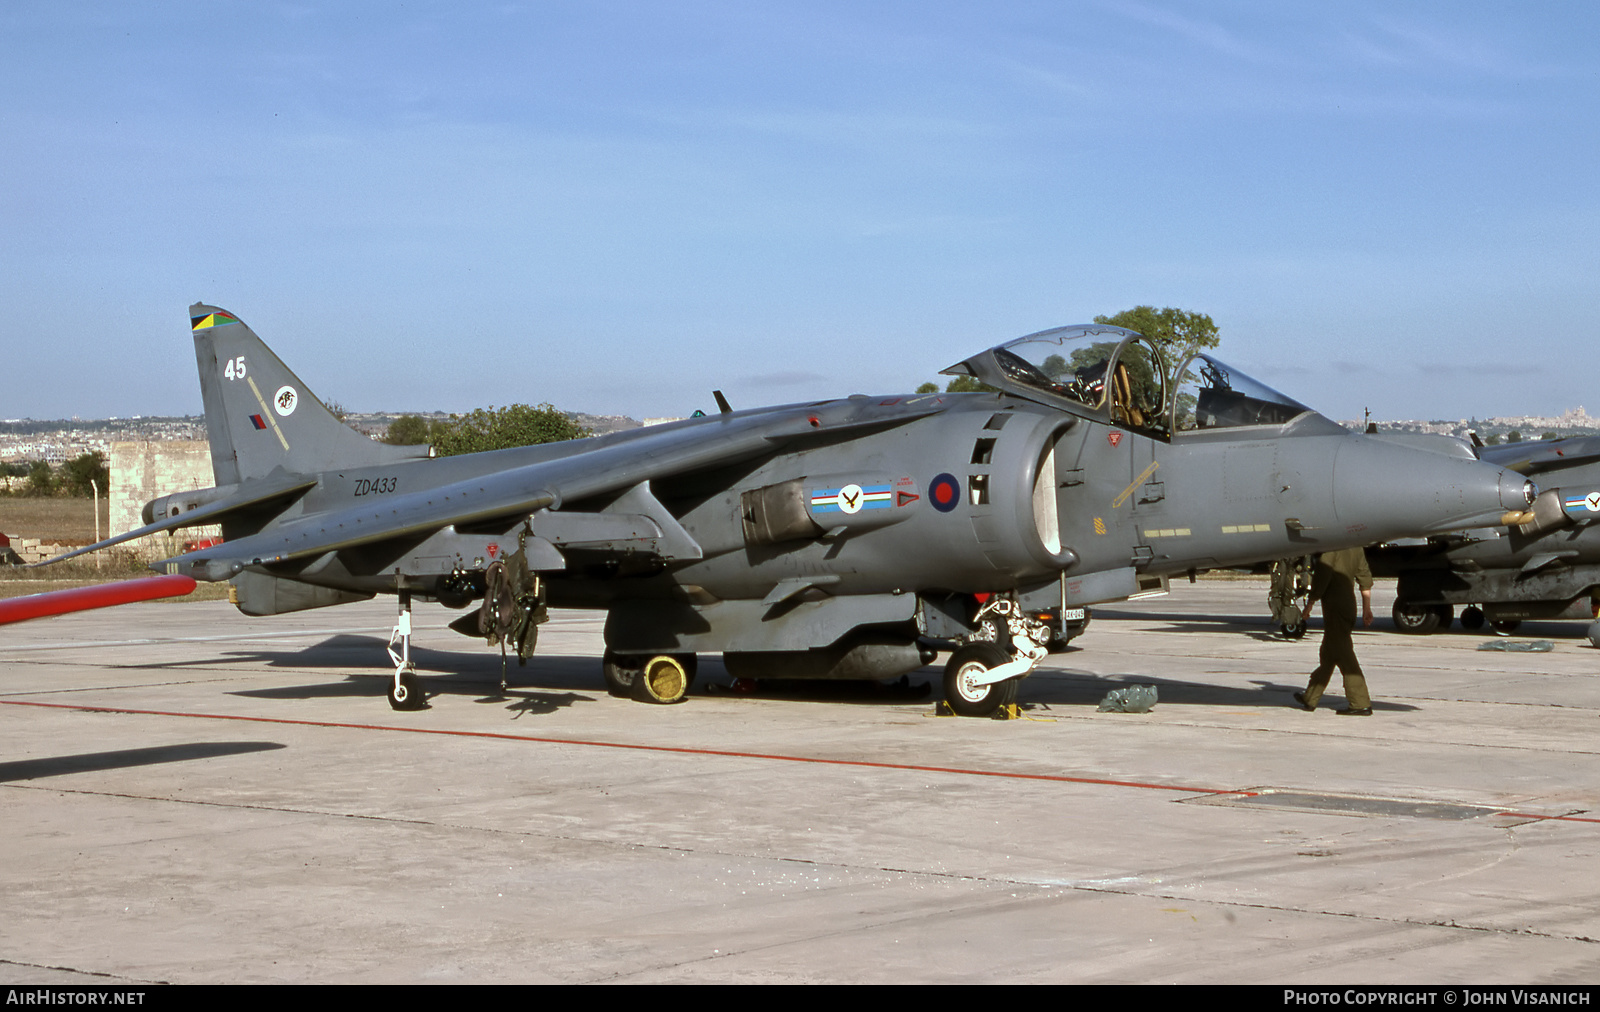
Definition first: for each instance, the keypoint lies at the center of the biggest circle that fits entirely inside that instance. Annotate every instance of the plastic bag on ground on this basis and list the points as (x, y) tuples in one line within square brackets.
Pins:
[(1133, 699)]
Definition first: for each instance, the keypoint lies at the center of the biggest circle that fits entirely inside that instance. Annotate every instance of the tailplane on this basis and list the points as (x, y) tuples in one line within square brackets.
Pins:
[(260, 416)]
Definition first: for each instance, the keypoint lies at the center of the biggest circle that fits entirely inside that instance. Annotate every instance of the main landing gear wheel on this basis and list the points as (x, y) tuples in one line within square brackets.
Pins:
[(967, 697), (665, 678), (621, 672), (405, 692), (1472, 618), (1506, 627), (1415, 618)]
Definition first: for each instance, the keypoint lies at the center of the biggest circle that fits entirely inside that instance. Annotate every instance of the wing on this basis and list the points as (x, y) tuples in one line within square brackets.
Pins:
[(618, 465), (1544, 455)]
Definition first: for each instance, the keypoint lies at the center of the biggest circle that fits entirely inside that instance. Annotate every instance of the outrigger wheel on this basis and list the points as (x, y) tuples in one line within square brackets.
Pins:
[(405, 692), (966, 696)]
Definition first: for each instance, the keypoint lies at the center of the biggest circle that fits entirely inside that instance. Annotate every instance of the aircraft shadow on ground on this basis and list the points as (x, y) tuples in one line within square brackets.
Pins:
[(919, 686), (550, 682), (1205, 622), (1059, 687), (85, 762), (574, 679), (443, 673)]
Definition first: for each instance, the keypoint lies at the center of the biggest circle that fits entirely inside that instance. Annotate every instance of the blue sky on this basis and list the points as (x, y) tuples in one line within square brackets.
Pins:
[(617, 207)]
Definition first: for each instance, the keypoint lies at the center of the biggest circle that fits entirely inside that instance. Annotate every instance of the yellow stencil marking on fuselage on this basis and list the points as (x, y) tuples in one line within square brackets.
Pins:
[(267, 413), (1147, 472)]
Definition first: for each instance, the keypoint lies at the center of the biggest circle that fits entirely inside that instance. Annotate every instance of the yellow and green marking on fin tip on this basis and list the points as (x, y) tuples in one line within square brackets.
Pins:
[(211, 320)]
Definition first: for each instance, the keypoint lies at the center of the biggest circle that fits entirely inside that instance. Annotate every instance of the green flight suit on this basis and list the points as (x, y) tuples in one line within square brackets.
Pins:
[(1333, 583)]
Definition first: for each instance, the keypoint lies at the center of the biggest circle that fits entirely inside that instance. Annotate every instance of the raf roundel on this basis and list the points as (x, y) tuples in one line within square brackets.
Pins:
[(945, 493)]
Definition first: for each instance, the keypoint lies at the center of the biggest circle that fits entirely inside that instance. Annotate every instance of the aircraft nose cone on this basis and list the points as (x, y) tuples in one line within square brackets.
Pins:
[(1393, 491)]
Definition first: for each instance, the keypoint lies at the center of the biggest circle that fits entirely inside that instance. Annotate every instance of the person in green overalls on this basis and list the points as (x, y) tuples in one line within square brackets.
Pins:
[(1333, 582)]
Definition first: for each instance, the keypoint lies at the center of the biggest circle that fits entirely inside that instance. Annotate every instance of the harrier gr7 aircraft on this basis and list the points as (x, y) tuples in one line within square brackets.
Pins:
[(849, 538), (1545, 567)]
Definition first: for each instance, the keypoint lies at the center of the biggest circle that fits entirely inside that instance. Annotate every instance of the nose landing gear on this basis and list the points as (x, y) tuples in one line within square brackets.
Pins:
[(982, 675)]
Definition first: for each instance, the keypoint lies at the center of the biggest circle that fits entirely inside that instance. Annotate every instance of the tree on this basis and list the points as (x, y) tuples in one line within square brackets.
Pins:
[(409, 430), (1513, 436), (497, 429), (81, 474), (1170, 330), (968, 385), (1174, 332), (41, 479), (959, 385)]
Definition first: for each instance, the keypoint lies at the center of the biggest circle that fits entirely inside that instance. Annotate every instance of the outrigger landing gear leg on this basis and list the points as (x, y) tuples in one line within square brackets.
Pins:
[(406, 692)]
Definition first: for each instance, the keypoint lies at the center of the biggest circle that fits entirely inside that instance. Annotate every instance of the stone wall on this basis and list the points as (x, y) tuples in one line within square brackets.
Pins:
[(144, 471), (26, 551)]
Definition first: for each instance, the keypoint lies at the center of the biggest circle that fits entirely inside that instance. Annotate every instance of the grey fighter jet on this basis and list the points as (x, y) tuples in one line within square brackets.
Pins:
[(1546, 567), (849, 538)]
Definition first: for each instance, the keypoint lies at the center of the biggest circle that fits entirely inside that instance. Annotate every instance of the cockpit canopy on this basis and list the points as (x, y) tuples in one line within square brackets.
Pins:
[(1118, 376), (1212, 395)]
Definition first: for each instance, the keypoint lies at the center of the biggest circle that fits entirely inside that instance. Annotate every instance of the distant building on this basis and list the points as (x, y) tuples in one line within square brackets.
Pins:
[(144, 471)]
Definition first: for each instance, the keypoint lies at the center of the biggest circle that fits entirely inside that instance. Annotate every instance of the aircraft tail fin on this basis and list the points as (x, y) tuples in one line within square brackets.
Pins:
[(260, 416)]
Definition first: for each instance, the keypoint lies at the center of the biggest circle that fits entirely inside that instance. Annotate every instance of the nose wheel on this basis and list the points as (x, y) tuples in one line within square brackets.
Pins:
[(965, 687), (1005, 647)]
